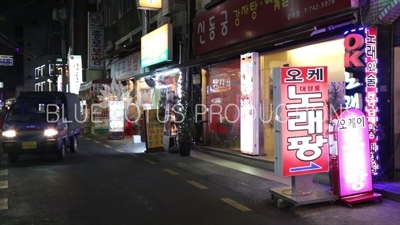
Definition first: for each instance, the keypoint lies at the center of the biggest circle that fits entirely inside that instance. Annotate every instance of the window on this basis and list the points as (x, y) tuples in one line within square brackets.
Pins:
[(113, 12), (128, 5), (121, 8)]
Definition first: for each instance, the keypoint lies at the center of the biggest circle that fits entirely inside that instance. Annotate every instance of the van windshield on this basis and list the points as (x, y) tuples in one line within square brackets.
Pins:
[(32, 112)]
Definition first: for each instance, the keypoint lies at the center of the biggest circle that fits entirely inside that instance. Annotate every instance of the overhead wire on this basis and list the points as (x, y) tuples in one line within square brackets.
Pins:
[(18, 8)]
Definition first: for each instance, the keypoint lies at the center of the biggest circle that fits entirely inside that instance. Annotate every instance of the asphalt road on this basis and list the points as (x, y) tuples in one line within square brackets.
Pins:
[(101, 184), (111, 183)]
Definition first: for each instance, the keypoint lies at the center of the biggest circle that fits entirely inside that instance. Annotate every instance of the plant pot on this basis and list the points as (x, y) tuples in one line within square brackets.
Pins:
[(184, 148)]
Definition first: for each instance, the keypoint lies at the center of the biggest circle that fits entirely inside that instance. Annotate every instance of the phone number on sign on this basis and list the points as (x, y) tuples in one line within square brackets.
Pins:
[(320, 5)]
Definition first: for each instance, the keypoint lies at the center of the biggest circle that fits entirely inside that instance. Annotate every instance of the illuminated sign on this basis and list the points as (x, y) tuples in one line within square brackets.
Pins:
[(361, 64), (95, 41), (304, 129), (156, 46), (353, 153), (75, 73), (249, 81), (150, 4), (6, 60)]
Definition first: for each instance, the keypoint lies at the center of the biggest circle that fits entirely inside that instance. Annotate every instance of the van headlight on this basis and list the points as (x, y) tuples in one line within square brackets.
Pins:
[(9, 133), (50, 132)]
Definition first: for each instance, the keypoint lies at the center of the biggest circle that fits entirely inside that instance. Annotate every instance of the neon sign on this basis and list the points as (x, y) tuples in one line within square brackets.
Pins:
[(353, 151), (304, 130), (361, 61)]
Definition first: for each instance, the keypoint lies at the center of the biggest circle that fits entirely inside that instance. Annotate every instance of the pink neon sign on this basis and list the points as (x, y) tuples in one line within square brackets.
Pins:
[(354, 153)]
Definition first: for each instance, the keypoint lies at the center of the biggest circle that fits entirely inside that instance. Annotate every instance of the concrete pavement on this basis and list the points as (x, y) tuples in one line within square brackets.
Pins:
[(113, 182)]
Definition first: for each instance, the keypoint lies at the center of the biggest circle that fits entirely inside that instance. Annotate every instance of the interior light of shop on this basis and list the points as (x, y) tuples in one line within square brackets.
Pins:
[(167, 72)]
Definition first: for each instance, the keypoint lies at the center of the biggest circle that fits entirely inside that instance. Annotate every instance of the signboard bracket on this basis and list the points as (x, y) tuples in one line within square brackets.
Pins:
[(301, 192)]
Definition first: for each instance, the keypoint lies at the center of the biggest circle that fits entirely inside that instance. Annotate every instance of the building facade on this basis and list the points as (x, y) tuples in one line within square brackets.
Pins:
[(226, 35)]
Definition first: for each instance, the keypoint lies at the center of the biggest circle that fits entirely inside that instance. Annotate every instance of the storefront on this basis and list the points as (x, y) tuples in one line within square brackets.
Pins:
[(310, 34)]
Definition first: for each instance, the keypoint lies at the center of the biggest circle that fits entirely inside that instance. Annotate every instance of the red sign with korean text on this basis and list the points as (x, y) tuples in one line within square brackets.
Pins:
[(235, 21), (371, 91), (304, 118)]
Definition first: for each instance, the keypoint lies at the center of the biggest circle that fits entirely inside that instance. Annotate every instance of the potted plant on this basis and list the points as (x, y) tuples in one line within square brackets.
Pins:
[(185, 124)]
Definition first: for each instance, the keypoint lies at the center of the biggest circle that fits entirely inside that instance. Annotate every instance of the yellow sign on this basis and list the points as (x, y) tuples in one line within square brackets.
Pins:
[(156, 46), (154, 129), (150, 4)]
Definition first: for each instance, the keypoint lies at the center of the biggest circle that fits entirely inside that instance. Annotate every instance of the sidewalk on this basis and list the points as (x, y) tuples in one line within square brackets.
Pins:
[(389, 189), (255, 166)]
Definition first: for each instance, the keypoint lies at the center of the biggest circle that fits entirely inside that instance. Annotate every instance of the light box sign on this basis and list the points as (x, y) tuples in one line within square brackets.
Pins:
[(304, 124), (249, 103), (156, 46), (117, 116), (362, 74), (353, 152), (150, 4), (75, 73)]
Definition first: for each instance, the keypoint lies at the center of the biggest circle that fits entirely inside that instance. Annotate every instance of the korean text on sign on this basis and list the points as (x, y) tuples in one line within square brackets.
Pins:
[(304, 120), (371, 80)]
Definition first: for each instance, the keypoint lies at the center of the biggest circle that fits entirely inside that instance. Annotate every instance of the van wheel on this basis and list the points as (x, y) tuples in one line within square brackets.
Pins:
[(13, 158), (61, 152), (73, 144)]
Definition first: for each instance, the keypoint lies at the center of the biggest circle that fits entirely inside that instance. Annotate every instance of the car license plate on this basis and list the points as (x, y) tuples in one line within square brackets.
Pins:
[(29, 145)]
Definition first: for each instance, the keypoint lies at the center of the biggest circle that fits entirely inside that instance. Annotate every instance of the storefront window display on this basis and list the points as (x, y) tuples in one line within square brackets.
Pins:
[(223, 102), (329, 53)]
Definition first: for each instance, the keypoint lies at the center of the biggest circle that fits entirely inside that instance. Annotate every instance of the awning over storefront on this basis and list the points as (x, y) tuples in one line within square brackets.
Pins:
[(275, 40), (145, 74)]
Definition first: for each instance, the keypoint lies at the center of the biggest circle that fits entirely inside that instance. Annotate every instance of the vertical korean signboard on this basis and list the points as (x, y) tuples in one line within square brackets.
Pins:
[(75, 73), (249, 103), (304, 120), (353, 153), (95, 41), (361, 63)]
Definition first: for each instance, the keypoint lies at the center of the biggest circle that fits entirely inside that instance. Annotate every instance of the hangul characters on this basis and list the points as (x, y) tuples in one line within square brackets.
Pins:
[(371, 66), (342, 124), (312, 121), (277, 4), (212, 27), (371, 80), (244, 9), (371, 113), (310, 88), (316, 88), (371, 39), (361, 121), (371, 51), (304, 99), (372, 131), (253, 9), (268, 2), (294, 75), (352, 123), (371, 99), (96, 60), (201, 29), (237, 17), (129, 65), (151, 143), (317, 73), (303, 88), (123, 67), (303, 145), (298, 13), (285, 3), (224, 23)]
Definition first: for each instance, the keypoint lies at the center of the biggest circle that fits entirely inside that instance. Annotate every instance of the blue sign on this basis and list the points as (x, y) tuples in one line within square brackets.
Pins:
[(6, 62), (312, 166)]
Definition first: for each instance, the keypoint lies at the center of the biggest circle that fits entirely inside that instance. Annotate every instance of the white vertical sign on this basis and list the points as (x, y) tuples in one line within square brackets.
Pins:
[(75, 73), (95, 41), (249, 103)]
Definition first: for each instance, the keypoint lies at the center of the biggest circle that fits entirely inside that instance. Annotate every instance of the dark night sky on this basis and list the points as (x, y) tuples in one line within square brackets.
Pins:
[(20, 12)]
